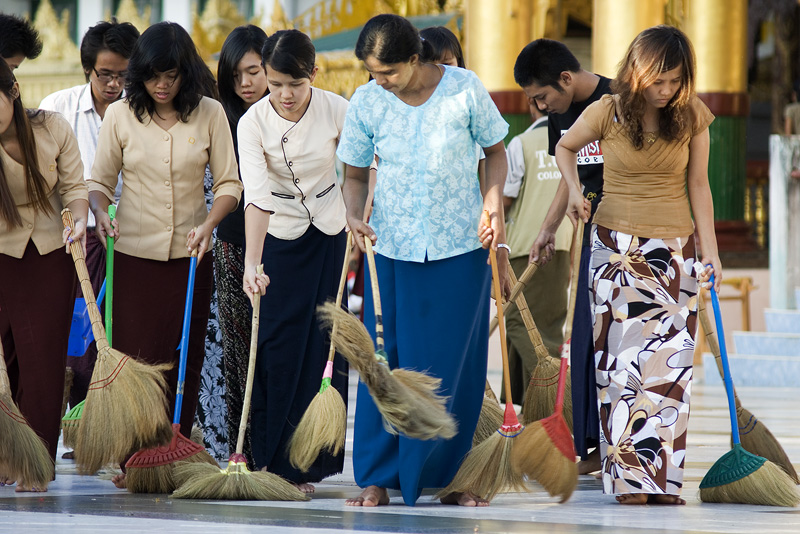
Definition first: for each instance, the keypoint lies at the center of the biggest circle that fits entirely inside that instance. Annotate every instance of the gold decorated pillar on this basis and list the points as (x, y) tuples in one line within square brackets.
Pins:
[(616, 23), (718, 31), (495, 33)]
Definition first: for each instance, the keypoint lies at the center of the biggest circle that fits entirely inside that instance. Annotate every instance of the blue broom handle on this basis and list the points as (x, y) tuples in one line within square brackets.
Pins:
[(726, 370), (184, 346)]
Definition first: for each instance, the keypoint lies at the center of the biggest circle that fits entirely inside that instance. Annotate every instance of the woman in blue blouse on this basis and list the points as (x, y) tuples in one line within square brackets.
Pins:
[(423, 121)]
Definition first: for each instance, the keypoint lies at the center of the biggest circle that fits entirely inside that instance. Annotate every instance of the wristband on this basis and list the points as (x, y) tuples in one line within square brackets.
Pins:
[(505, 246)]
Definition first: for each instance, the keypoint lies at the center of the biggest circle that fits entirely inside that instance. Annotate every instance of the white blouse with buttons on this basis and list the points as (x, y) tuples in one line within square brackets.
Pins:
[(289, 168)]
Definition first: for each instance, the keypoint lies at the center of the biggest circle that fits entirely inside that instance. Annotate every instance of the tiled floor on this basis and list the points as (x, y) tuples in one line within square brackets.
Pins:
[(85, 505)]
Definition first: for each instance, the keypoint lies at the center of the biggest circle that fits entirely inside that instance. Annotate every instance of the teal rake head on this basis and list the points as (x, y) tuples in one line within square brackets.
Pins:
[(734, 465)]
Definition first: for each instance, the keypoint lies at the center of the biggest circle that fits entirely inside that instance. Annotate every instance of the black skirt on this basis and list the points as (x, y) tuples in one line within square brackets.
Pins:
[(293, 348)]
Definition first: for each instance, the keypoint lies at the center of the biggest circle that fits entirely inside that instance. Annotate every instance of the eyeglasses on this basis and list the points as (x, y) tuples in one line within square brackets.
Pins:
[(109, 76)]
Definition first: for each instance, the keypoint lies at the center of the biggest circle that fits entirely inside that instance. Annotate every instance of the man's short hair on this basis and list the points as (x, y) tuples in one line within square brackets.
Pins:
[(542, 62), (18, 37), (118, 37)]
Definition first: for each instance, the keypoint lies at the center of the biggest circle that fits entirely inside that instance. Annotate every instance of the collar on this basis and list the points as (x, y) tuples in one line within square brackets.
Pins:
[(85, 100), (538, 121)]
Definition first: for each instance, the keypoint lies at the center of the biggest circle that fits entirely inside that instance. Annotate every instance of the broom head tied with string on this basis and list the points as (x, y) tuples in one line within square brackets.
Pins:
[(490, 419), (742, 477), (235, 482), (757, 439), (487, 469), (540, 397), (126, 404), (322, 427), (23, 455), (408, 400)]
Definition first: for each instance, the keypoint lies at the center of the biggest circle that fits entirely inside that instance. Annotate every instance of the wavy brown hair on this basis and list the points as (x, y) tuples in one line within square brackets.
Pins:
[(35, 183), (654, 51)]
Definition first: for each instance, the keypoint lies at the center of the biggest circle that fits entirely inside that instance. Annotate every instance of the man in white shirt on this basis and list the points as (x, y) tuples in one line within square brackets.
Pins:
[(105, 51), (531, 183)]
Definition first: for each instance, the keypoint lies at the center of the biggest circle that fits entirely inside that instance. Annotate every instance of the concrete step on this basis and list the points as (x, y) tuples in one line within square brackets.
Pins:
[(758, 371), (782, 321), (766, 343)]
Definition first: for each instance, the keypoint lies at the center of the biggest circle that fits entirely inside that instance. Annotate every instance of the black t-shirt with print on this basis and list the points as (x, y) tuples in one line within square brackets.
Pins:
[(590, 158)]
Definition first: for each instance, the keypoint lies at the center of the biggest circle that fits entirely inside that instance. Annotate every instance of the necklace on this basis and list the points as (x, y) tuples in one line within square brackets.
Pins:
[(650, 137)]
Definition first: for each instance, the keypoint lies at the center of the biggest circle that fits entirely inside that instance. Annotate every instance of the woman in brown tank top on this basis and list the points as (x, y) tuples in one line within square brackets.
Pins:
[(655, 142)]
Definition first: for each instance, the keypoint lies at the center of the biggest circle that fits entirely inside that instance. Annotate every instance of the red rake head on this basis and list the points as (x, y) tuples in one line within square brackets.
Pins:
[(178, 449), (560, 435)]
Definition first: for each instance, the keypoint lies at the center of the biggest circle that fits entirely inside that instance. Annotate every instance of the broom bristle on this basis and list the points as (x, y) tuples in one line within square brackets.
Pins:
[(489, 421), (25, 457), (408, 400), (236, 482), (757, 439), (125, 410), (540, 397), (70, 423), (769, 485), (161, 478), (322, 427), (197, 435), (541, 458), (487, 471)]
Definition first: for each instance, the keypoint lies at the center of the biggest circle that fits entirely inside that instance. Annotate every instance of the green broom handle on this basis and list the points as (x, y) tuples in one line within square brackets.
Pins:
[(112, 213), (726, 371), (577, 245), (251, 367), (376, 295)]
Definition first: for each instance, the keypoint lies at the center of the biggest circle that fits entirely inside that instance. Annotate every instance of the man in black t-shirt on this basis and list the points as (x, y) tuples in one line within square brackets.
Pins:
[(553, 79)]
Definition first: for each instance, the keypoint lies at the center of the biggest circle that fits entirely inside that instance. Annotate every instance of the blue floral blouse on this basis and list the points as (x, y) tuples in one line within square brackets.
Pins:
[(427, 201)]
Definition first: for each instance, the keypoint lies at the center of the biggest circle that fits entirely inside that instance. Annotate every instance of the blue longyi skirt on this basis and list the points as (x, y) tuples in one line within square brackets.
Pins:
[(436, 319)]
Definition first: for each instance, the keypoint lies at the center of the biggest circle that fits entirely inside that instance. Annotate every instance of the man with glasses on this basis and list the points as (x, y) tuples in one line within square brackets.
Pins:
[(105, 51)]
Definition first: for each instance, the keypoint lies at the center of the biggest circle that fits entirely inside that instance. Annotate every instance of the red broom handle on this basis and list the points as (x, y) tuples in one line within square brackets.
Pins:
[(577, 245)]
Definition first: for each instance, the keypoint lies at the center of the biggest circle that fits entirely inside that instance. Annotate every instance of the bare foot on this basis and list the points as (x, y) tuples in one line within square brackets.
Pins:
[(464, 499), (371, 496), (22, 488), (665, 499), (632, 498), (69, 455), (6, 481), (119, 481), (590, 464), (304, 487)]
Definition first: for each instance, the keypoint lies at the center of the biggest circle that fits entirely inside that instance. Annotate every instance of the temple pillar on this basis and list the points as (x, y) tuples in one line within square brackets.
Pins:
[(718, 31), (496, 31), (616, 24)]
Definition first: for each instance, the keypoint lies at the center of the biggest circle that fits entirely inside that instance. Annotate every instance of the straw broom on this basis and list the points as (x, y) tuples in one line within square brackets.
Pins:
[(72, 419), (236, 482), (151, 470), (540, 397), (408, 400), (487, 470), (126, 404), (740, 476), (546, 452), (324, 423), (756, 437), (23, 455)]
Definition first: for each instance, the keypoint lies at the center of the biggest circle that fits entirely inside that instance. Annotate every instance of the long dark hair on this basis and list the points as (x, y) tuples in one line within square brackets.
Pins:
[(240, 41), (441, 41), (34, 181), (163, 47), (654, 51), (390, 39)]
